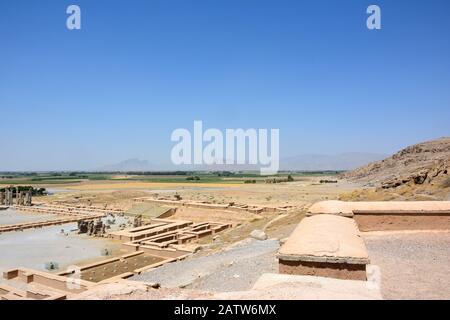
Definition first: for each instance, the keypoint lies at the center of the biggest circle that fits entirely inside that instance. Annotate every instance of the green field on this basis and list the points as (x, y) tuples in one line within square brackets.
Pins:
[(51, 178)]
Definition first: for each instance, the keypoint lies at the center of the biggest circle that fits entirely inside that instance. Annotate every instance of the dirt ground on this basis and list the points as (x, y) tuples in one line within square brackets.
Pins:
[(105, 271), (119, 195), (412, 265), (298, 194), (401, 222)]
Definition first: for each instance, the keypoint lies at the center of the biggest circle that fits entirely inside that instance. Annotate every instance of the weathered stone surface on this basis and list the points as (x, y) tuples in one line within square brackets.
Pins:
[(325, 238), (258, 235), (347, 208)]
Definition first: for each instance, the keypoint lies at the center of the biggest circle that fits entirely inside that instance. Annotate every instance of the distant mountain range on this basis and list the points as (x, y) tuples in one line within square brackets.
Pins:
[(304, 162)]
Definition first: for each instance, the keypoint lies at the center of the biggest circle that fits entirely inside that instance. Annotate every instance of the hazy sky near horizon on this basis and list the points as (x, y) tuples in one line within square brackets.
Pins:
[(137, 70)]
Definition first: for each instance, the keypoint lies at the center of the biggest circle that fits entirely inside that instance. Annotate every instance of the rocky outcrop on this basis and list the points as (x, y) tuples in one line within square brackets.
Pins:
[(420, 164)]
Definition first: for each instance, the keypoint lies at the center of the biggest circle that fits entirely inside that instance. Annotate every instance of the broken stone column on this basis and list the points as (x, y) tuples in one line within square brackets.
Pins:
[(6, 197), (2, 198), (99, 229), (137, 221), (91, 228), (20, 198), (9, 197), (83, 226), (28, 198)]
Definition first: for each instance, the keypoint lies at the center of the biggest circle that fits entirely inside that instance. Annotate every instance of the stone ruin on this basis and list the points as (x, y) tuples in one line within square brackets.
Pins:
[(92, 228), (137, 221), (22, 198), (9, 197), (83, 226), (28, 198)]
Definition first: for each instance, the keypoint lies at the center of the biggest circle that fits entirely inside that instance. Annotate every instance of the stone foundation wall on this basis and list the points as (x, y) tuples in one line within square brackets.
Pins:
[(324, 269)]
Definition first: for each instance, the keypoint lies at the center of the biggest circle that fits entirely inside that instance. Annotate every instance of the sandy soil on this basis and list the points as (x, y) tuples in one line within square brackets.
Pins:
[(399, 222), (298, 193)]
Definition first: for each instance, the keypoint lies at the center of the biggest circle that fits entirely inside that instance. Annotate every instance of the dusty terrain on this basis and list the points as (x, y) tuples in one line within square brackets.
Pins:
[(303, 191), (229, 265), (299, 194), (72, 249)]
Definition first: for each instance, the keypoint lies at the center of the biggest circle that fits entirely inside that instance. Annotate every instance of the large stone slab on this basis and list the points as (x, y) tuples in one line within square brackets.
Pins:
[(325, 245)]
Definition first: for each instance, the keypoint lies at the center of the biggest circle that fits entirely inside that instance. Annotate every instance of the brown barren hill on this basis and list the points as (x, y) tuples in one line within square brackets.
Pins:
[(422, 168)]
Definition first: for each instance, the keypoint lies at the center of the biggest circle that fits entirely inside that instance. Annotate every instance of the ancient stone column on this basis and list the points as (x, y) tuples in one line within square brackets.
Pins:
[(8, 197), (20, 198), (2, 198), (28, 198), (11, 197)]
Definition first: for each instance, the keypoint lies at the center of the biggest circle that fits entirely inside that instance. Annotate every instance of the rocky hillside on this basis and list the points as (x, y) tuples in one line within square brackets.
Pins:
[(419, 167)]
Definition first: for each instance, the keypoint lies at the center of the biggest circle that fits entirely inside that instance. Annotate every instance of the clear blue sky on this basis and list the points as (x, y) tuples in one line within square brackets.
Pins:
[(139, 69)]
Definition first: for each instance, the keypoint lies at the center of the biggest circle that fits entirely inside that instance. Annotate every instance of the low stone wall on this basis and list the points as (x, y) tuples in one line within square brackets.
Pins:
[(46, 223), (41, 285), (216, 206), (324, 269), (389, 215)]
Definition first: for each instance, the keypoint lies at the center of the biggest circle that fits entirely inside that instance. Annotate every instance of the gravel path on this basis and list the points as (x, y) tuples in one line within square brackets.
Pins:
[(236, 268), (413, 266)]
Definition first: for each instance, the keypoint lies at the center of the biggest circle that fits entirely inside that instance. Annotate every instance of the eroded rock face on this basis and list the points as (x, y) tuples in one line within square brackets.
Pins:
[(428, 175), (420, 164)]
